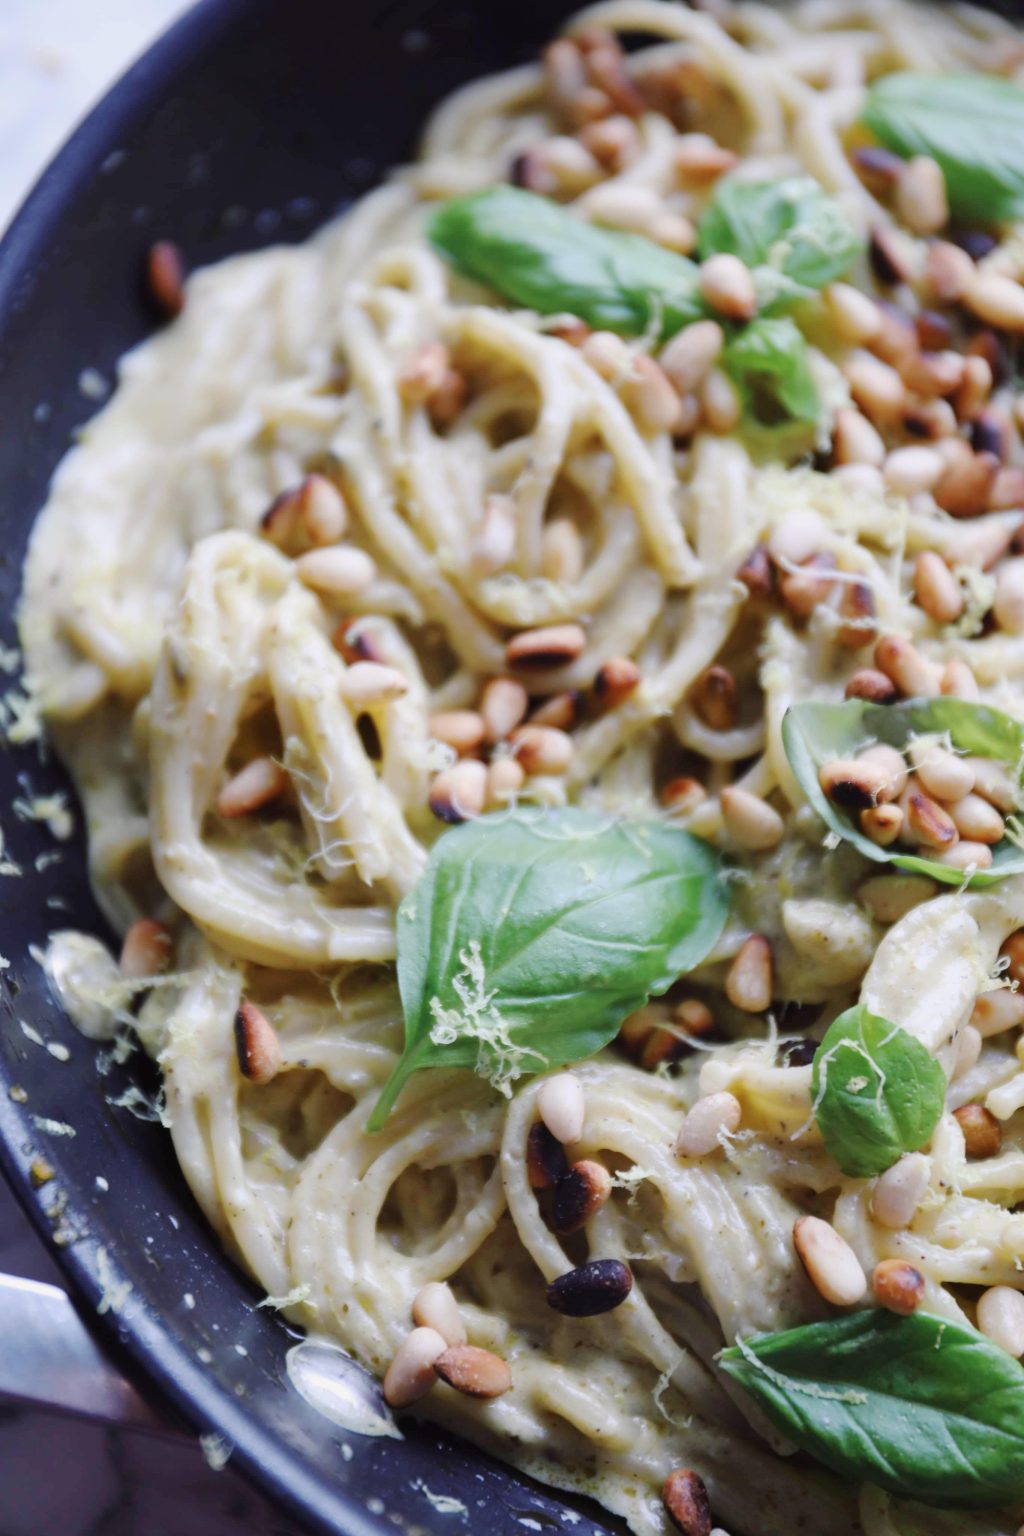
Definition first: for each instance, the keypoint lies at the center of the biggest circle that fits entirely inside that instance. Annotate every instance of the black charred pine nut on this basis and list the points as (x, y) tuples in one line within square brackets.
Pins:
[(546, 1162), (591, 1289), (257, 1045), (580, 1194)]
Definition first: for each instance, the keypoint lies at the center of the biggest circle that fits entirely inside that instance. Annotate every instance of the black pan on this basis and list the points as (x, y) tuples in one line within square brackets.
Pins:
[(250, 122)]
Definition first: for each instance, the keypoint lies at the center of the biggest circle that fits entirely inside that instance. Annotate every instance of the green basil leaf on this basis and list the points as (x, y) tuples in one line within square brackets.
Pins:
[(816, 734), (538, 255), (530, 936), (877, 1092), (925, 1408), (791, 234), (768, 361), (973, 125)]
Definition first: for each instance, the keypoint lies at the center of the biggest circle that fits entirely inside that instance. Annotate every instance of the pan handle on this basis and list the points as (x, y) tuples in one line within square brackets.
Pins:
[(49, 1359)]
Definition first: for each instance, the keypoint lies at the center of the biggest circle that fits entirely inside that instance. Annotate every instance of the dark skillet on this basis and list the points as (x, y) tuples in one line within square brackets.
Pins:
[(250, 122)]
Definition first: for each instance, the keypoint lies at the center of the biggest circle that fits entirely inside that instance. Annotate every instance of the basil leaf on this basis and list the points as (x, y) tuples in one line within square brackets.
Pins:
[(791, 234), (768, 361), (877, 1092), (973, 125), (926, 1408), (536, 254), (815, 734), (530, 936)]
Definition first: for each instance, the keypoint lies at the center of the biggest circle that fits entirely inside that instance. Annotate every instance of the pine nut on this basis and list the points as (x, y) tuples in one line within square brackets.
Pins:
[(810, 586), (494, 540), (876, 387), (583, 1191), (590, 1289), (368, 683), (992, 781), (796, 537), (897, 340), (314, 512), (691, 353), (874, 686), (941, 773), (649, 397), (435, 1307), (855, 440), (908, 470), (962, 855), (256, 1044), (551, 647), (913, 675), (1008, 604), (683, 795), (898, 1286), (608, 355), (1007, 493), (546, 1161), (569, 163), (997, 1011), (855, 315), (461, 729), (973, 390), (983, 1135), (458, 793), (165, 277), (686, 1500), (714, 698), (615, 680), (936, 589), (890, 254), (607, 68), (638, 1028), (833, 1267), (702, 1129), (934, 332), (748, 984), (720, 400), (562, 710), (662, 1045), (882, 823), (565, 75), (254, 786), (561, 555), (614, 141), (926, 822), (700, 159), (949, 270), (503, 704), (997, 300), (620, 205), (933, 420), (756, 572), (932, 373), (505, 778), (857, 609), (675, 232), (964, 486), (1011, 950), (891, 763), (726, 284), (694, 1016), (750, 821), (448, 399), (853, 782), (422, 374), (958, 681), (921, 196), (542, 749), (340, 571), (410, 1375), (968, 1049), (900, 1191), (474, 1372), (976, 820), (561, 1106), (146, 949), (878, 168), (1001, 1318), (355, 640)]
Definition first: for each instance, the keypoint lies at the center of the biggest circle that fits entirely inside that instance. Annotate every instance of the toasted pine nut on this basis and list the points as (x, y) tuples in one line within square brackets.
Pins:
[(855, 783), (882, 823), (368, 683), (551, 647), (639, 1027), (448, 399), (1001, 1318), (926, 821), (958, 681), (713, 696), (422, 374), (338, 571), (701, 1131), (615, 680), (878, 168), (691, 353), (833, 1267), (756, 572), (726, 284), (897, 339), (855, 440), (810, 586), (891, 255), (694, 1016), (857, 609), (936, 589), (750, 821), (613, 141), (568, 163), (542, 748), (561, 555), (503, 704), (505, 778), (1007, 493), (721, 402), (983, 1135), (458, 793), (314, 512), (546, 1161), (900, 1191), (686, 1500), (435, 1307), (1011, 950), (891, 763), (913, 675), (699, 159), (874, 686), (461, 729), (898, 1286), (876, 387), (561, 1106), (890, 897), (993, 782), (968, 1049), (934, 332), (921, 196), (649, 397), (494, 540), (976, 820), (943, 774), (253, 787), (165, 277), (608, 355), (974, 388), (964, 485), (256, 1044), (996, 299), (562, 710), (608, 70), (997, 1011), (962, 855), (748, 983), (934, 420), (912, 469), (683, 795), (1008, 604), (565, 75), (950, 271), (662, 1045), (410, 1375), (579, 1195), (146, 949), (854, 314)]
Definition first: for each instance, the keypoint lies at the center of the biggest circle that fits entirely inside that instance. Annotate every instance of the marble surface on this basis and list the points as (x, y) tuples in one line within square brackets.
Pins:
[(56, 58)]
